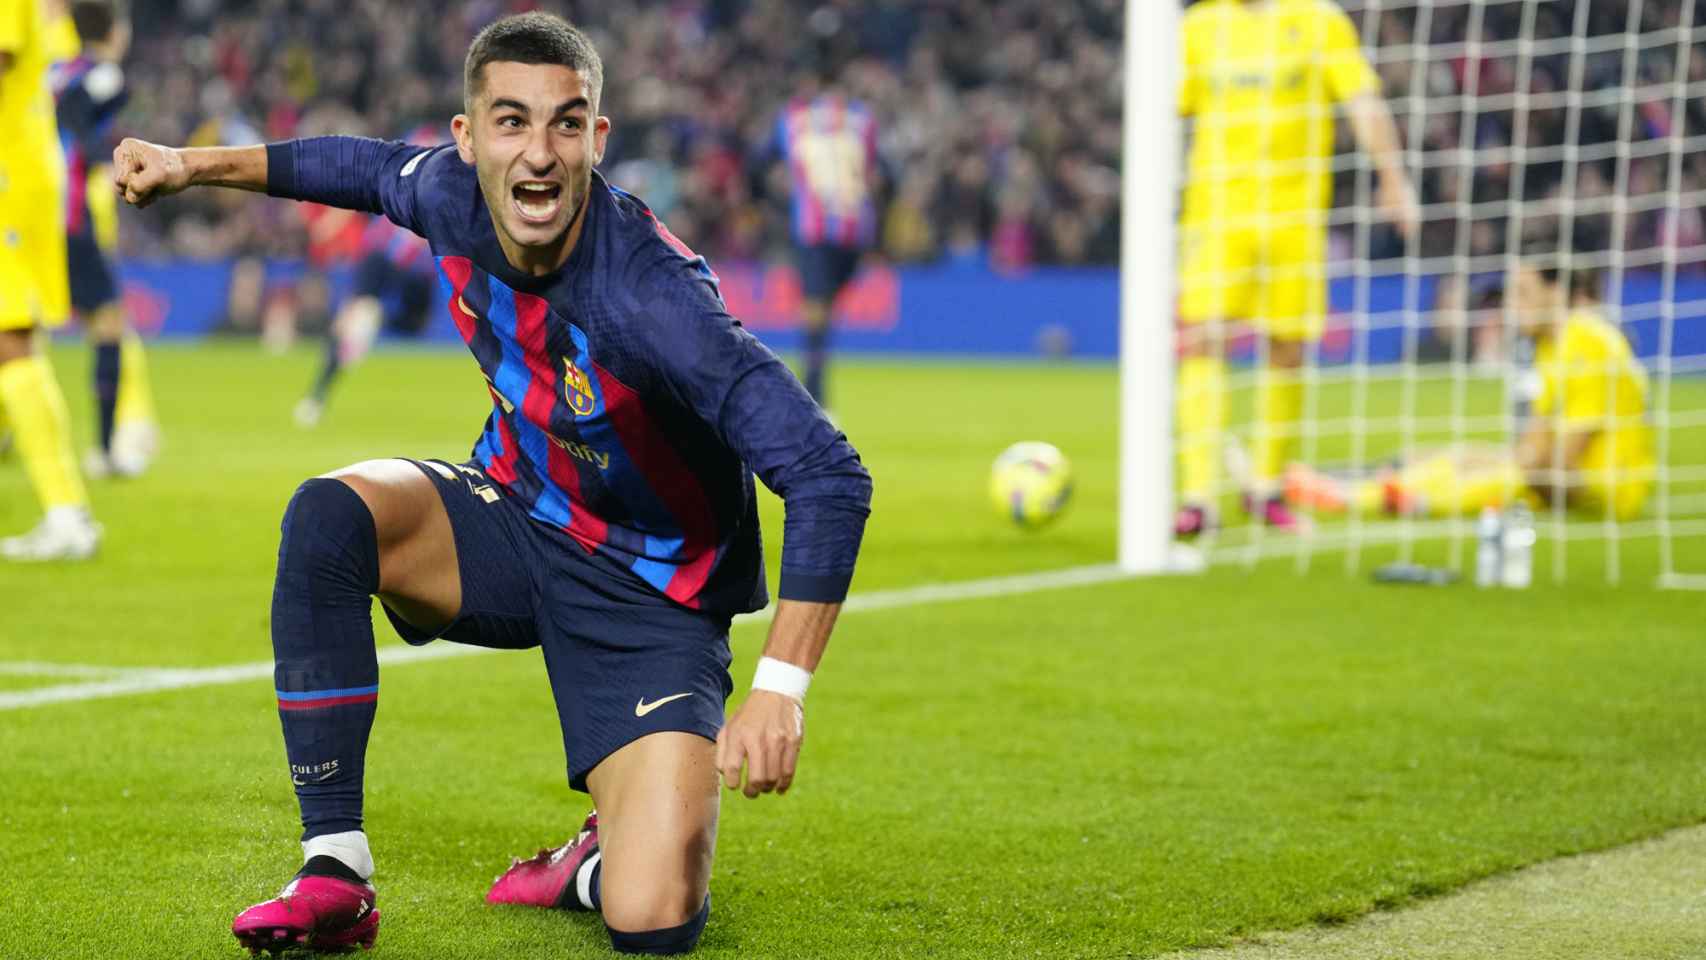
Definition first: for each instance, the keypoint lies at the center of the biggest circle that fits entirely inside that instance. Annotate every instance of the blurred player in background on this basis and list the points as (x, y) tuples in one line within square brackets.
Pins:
[(829, 142), (608, 516), (393, 291), (1587, 442), (34, 293), (1260, 80), (90, 89)]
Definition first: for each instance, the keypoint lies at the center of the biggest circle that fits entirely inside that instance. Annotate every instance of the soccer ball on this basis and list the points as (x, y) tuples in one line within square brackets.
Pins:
[(1030, 483)]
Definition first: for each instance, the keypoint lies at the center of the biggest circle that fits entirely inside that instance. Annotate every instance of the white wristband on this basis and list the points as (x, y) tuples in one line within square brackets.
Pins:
[(780, 676)]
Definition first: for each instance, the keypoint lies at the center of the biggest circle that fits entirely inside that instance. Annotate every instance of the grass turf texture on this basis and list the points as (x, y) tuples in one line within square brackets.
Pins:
[(1117, 770)]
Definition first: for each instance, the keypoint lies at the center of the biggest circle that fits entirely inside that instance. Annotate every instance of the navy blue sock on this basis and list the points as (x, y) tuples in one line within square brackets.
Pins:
[(106, 388), (325, 668), (329, 369), (817, 357), (680, 939)]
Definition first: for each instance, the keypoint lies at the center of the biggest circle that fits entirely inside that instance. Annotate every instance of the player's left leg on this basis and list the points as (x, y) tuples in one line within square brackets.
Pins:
[(1292, 315), (34, 292), (353, 331), (658, 802), (36, 407), (1278, 411), (1442, 482), (136, 427), (643, 859), (1215, 285), (825, 270), (640, 687), (106, 335)]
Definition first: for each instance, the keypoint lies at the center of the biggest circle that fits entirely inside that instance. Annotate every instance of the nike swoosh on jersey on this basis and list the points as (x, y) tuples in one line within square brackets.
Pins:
[(642, 708)]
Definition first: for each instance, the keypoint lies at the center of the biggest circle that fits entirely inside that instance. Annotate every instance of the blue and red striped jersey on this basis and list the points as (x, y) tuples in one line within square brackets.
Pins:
[(629, 409), (830, 144), (87, 95)]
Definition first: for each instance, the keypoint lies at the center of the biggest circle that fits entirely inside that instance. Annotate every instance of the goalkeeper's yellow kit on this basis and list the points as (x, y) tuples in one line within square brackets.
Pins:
[(1590, 380), (1261, 81)]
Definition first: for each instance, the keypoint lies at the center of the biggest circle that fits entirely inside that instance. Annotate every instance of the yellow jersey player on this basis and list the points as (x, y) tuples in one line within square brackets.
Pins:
[(1587, 442), (1260, 81), (34, 292)]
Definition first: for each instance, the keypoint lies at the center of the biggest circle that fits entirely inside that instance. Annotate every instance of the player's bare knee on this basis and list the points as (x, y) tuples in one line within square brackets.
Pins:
[(657, 903), (397, 494), (658, 878), (417, 550)]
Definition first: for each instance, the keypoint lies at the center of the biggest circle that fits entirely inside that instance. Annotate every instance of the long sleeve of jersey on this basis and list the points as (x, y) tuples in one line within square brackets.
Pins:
[(355, 173), (712, 365)]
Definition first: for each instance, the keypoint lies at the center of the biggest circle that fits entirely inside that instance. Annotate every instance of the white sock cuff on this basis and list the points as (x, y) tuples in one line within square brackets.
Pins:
[(583, 880), (348, 848)]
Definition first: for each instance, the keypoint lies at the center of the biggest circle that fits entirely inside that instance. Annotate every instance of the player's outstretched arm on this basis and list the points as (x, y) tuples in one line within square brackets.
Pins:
[(352, 173), (145, 172)]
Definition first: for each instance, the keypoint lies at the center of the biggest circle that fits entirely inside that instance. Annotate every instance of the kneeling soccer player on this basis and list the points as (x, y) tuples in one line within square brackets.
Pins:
[(1588, 441), (608, 514)]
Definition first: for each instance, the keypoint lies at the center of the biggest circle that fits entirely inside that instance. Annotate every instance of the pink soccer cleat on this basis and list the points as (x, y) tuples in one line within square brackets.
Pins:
[(1192, 521), (1277, 515), (320, 913), (548, 879)]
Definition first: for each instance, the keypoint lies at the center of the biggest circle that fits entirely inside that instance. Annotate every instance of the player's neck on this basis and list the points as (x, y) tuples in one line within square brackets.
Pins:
[(542, 260)]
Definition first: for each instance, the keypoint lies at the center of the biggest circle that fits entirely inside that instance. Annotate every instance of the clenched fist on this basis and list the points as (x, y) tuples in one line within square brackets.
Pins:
[(145, 172)]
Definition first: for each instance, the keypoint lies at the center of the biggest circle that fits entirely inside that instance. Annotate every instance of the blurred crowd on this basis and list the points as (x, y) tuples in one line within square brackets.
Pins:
[(1500, 131), (1001, 120), (1001, 123)]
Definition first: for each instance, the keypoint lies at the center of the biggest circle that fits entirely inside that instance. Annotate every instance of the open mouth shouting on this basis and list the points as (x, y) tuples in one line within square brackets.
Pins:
[(537, 201)]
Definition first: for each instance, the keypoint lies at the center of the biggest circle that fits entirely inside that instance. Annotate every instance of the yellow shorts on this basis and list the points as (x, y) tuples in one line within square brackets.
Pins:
[(1270, 276), (1623, 489), (34, 286)]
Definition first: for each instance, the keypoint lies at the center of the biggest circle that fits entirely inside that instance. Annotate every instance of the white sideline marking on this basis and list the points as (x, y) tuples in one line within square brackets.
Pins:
[(39, 668), (131, 681)]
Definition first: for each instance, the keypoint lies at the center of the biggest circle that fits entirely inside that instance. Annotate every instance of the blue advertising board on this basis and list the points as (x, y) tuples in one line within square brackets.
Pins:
[(955, 309)]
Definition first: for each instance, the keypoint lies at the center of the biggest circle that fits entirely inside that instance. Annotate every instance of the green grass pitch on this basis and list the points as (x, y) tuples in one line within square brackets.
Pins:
[(1117, 770)]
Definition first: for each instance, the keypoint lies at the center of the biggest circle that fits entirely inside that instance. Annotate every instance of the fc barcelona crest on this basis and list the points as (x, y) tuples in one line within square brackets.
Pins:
[(577, 389)]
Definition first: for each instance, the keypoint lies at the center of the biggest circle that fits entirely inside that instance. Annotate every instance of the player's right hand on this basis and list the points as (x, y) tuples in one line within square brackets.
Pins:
[(145, 172)]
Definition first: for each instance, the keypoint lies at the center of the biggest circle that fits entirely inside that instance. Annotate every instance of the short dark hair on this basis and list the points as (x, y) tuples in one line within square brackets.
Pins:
[(94, 19), (1573, 261), (533, 37)]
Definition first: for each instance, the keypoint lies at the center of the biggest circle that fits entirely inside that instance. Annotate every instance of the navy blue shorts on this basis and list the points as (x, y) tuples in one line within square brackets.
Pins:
[(824, 269), (623, 661), (405, 295), (93, 284)]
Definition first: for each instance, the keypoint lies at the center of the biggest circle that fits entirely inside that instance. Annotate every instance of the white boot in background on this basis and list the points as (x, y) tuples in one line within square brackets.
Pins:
[(65, 533)]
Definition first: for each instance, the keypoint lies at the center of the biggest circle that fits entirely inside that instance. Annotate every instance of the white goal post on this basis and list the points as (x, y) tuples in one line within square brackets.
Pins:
[(1149, 177)]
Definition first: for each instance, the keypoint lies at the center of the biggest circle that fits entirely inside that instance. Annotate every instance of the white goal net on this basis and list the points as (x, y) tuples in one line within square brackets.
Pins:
[(1560, 138)]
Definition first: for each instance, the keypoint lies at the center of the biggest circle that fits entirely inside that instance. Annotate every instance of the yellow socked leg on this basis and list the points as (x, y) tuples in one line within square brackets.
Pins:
[(1279, 408), (1441, 485), (1201, 417), (135, 395), (42, 428)]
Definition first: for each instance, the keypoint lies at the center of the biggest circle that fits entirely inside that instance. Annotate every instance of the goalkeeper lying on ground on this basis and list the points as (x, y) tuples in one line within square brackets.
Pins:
[(1587, 441)]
